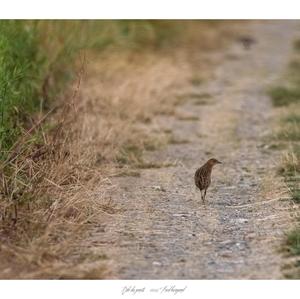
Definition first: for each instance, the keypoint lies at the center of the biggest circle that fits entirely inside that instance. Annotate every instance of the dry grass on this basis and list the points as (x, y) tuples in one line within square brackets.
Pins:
[(290, 164), (187, 117), (288, 134), (120, 93), (102, 131), (272, 186), (44, 206)]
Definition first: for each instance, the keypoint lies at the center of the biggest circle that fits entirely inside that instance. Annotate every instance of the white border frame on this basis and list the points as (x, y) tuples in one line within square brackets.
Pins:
[(150, 9)]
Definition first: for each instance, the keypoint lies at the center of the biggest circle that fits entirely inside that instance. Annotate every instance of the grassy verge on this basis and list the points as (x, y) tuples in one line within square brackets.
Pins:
[(287, 97), (59, 149)]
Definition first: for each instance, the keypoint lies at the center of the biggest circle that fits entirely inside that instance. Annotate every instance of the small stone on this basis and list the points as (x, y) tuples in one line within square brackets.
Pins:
[(242, 220), (159, 188), (156, 264)]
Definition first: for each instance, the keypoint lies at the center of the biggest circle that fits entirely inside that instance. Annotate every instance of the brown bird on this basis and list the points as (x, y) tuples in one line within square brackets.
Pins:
[(203, 176)]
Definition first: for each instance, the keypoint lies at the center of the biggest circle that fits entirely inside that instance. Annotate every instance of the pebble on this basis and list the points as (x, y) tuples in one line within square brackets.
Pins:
[(159, 188), (242, 220), (180, 215), (157, 264)]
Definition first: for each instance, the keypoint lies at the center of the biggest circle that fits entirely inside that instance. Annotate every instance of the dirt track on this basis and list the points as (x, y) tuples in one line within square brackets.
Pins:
[(164, 231)]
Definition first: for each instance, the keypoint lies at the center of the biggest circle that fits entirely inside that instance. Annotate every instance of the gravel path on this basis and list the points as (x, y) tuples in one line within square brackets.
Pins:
[(164, 231)]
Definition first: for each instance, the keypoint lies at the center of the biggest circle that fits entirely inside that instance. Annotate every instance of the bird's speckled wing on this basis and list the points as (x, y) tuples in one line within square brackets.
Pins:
[(202, 178)]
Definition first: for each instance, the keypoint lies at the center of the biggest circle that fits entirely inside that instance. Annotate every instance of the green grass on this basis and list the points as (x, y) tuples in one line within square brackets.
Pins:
[(200, 102), (147, 165), (290, 133), (287, 171), (196, 98), (296, 195), (34, 53), (20, 78), (292, 246), (128, 172), (297, 45), (292, 118), (188, 117), (196, 80), (194, 95), (277, 146), (283, 96), (294, 67), (293, 241)]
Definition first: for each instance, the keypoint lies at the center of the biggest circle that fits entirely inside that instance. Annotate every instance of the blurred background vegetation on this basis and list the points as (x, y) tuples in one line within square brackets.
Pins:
[(33, 53), (286, 97)]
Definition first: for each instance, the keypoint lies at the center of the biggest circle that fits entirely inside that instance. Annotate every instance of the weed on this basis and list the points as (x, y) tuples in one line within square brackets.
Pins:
[(129, 153), (147, 165), (20, 78), (200, 102), (290, 132), (168, 131), (199, 95), (196, 80), (294, 66), (152, 144), (173, 140), (188, 117), (276, 146), (282, 96), (290, 166), (128, 172), (198, 98), (295, 194), (293, 241), (292, 118), (297, 45)]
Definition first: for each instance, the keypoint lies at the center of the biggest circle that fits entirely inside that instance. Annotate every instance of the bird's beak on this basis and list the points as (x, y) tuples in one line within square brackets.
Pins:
[(219, 162)]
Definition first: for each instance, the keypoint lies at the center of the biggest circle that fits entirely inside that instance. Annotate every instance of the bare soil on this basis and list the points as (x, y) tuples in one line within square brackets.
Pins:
[(162, 229)]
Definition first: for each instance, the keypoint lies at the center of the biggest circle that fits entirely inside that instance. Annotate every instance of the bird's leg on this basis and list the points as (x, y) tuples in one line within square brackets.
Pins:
[(202, 197), (205, 193)]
